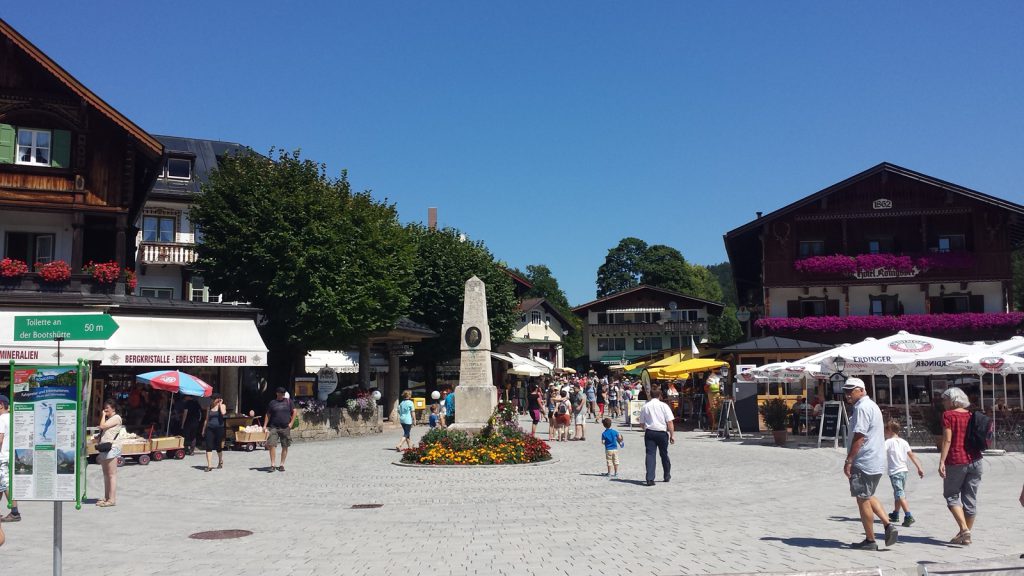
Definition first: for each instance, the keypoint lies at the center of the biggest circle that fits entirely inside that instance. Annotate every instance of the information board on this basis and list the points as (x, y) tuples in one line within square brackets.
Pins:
[(834, 422), (44, 434), (635, 406)]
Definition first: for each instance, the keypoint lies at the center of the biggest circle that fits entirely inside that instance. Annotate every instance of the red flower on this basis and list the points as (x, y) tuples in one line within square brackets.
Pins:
[(105, 273), (54, 272), (12, 268)]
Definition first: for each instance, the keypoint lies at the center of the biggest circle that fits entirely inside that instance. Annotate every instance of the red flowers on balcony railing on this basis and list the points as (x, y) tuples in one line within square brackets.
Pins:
[(914, 323), (841, 265), (12, 268), (130, 280), (103, 273), (54, 272)]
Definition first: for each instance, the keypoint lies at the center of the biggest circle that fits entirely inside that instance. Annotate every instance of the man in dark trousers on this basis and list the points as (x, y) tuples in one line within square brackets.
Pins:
[(278, 423), (656, 418)]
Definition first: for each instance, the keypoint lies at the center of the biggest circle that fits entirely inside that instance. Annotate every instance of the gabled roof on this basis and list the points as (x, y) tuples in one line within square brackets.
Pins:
[(883, 167), (148, 142), (776, 344), (531, 303), (709, 303)]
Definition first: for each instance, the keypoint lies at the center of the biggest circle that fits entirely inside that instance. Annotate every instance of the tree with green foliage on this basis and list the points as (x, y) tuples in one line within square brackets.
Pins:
[(444, 261), (545, 286), (621, 268), (328, 266), (723, 272)]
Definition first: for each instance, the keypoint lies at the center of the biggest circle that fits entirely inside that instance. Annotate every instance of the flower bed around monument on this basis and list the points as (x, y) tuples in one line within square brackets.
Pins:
[(502, 441)]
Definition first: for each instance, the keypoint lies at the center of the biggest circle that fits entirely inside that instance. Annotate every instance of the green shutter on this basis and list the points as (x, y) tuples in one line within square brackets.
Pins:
[(61, 157), (7, 135)]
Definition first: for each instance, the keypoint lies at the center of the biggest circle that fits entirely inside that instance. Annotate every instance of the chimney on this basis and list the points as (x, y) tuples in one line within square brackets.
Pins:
[(759, 214), (432, 218)]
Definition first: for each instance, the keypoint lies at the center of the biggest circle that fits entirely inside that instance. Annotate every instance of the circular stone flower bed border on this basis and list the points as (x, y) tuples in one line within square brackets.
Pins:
[(416, 465)]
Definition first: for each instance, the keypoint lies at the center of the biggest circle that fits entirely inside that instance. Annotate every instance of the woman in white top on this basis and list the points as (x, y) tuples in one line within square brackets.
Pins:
[(110, 431)]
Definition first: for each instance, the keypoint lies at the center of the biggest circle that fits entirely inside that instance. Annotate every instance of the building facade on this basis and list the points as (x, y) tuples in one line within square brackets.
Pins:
[(642, 321), (888, 249)]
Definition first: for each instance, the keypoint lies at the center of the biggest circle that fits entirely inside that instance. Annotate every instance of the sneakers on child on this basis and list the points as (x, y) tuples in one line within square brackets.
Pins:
[(891, 535), (894, 516), (908, 520)]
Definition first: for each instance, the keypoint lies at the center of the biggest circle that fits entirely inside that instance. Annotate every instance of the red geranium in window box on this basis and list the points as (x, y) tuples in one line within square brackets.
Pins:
[(12, 268), (130, 280), (54, 272), (104, 273)]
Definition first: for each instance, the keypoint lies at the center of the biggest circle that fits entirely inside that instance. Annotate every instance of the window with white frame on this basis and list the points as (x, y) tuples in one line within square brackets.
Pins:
[(178, 168), (536, 317), (33, 147), (684, 316), (611, 344), (158, 229), (30, 247), (159, 293), (647, 343)]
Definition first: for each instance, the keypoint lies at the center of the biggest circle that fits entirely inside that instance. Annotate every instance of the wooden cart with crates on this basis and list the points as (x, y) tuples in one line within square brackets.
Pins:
[(143, 451), (247, 441)]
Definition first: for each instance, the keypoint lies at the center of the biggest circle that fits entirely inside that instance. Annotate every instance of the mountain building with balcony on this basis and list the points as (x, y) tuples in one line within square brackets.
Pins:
[(641, 321), (539, 333), (885, 250), (75, 175), (167, 238)]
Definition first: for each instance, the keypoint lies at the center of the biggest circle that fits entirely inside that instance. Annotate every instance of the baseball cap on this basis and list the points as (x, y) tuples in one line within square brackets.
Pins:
[(852, 383), (5, 400), (280, 390)]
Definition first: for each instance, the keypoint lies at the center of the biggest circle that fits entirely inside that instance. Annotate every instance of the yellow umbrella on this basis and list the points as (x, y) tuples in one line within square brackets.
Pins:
[(669, 361), (685, 367)]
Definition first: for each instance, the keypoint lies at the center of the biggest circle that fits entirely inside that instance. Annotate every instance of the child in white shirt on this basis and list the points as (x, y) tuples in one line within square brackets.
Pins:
[(897, 449)]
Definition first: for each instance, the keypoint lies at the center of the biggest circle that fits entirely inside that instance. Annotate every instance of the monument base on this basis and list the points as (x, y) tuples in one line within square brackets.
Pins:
[(474, 406)]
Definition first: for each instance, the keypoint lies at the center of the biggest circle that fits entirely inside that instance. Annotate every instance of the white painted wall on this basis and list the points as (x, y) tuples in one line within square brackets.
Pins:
[(161, 277), (550, 330), (911, 296), (39, 222)]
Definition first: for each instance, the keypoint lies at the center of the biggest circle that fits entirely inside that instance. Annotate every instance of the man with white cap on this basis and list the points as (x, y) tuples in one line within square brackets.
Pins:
[(866, 462)]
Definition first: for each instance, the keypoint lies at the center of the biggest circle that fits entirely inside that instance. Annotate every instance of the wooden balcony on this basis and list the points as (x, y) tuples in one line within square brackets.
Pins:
[(177, 253), (987, 266), (699, 328)]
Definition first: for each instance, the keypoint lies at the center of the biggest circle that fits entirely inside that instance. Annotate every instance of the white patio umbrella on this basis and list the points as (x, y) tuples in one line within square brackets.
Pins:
[(902, 353), (987, 361)]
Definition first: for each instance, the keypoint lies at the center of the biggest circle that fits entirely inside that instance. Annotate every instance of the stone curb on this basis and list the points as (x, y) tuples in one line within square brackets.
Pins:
[(475, 466)]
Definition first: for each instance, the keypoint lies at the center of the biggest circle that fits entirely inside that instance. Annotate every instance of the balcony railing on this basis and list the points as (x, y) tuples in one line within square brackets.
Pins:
[(652, 329), (167, 253)]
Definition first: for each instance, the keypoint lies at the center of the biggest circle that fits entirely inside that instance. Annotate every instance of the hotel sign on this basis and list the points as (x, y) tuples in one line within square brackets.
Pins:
[(882, 204), (885, 273)]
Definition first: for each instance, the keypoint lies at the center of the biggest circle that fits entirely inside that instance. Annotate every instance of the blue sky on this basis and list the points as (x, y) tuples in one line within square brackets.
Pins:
[(551, 130)]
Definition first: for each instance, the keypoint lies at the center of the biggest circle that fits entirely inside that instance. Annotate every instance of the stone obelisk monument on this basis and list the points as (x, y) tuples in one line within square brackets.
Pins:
[(475, 396)]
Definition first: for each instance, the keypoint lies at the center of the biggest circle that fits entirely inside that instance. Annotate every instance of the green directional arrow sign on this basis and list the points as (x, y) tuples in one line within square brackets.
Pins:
[(69, 327)]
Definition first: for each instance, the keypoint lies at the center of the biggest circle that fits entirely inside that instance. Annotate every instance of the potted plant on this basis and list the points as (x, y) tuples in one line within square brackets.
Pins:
[(776, 417), (11, 270), (933, 421)]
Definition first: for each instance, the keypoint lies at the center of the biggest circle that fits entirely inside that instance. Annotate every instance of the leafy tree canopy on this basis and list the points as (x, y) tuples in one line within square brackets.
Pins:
[(723, 272), (444, 261), (621, 268), (327, 265)]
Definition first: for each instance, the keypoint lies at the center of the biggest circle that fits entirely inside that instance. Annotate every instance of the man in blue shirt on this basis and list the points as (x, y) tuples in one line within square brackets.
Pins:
[(612, 442), (866, 462)]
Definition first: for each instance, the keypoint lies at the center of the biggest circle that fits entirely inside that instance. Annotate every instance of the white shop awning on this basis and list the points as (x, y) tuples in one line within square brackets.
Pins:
[(148, 341), (44, 352), (345, 362)]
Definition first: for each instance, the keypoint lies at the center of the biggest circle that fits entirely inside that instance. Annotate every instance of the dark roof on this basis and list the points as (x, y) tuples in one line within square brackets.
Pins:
[(710, 303), (149, 143), (1017, 234), (775, 344), (205, 154), (407, 324), (531, 303)]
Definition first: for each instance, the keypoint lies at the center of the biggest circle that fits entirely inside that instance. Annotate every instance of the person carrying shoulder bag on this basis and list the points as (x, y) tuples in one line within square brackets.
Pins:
[(109, 447)]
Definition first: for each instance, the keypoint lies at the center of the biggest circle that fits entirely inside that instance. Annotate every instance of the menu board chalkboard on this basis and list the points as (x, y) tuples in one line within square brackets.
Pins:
[(833, 422)]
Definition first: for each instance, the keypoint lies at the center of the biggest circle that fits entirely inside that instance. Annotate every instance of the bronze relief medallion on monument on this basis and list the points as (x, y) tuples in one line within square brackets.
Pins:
[(473, 336)]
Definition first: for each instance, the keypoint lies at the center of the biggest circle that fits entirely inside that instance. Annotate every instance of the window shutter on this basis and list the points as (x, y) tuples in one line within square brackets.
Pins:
[(7, 136), (61, 157), (977, 303), (793, 308), (831, 307)]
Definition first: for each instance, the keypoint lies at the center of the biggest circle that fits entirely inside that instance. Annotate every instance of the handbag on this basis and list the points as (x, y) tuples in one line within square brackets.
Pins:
[(107, 446)]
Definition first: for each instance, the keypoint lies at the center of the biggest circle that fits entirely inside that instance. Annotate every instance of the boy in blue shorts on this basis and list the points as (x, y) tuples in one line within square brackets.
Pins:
[(612, 442)]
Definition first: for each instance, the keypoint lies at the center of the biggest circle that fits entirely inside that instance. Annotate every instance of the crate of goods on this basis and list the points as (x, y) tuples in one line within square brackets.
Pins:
[(166, 443), (242, 436), (139, 446)]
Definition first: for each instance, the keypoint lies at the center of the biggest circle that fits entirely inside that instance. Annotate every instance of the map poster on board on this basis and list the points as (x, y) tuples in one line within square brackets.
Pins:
[(44, 434)]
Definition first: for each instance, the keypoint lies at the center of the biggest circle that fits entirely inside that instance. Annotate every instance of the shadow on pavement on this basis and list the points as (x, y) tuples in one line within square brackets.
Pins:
[(844, 519), (259, 468), (628, 481), (926, 540), (810, 542)]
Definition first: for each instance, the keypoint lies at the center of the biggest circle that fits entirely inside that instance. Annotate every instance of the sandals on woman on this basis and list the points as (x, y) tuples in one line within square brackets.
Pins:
[(963, 538), (105, 504)]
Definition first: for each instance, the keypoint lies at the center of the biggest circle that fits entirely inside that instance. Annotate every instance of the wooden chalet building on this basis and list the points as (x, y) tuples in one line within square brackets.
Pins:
[(888, 249), (74, 178), (641, 321)]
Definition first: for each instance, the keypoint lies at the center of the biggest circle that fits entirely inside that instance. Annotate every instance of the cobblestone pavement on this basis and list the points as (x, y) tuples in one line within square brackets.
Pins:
[(730, 507)]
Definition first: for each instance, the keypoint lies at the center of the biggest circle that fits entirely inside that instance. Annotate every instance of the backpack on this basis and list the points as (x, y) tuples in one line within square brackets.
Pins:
[(561, 409), (980, 432)]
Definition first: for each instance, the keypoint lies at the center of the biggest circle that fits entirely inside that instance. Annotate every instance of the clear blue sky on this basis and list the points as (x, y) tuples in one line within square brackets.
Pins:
[(551, 130)]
